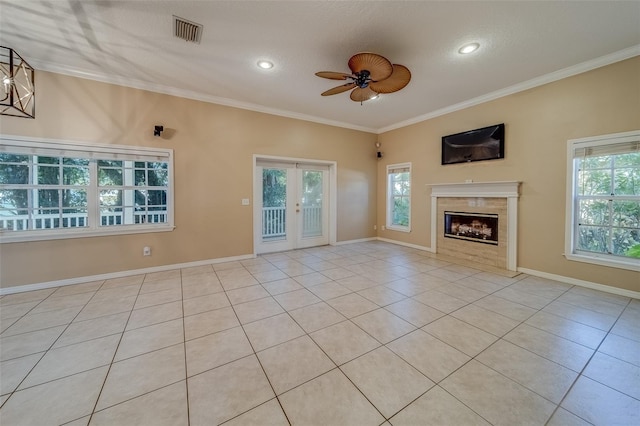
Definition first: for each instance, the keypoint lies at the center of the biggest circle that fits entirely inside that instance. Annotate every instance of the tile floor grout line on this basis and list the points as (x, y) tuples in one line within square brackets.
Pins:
[(93, 410), (255, 355), (586, 364), (27, 313), (134, 397), (365, 396), (336, 366), (46, 351), (184, 348), (492, 344), (499, 338), (53, 343), (562, 337), (394, 259)]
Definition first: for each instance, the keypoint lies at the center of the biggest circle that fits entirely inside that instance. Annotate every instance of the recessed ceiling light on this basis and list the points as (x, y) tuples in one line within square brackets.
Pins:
[(468, 48), (265, 65)]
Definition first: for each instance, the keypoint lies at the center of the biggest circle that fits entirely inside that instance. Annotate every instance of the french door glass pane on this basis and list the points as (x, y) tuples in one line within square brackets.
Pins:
[(274, 204), (311, 203)]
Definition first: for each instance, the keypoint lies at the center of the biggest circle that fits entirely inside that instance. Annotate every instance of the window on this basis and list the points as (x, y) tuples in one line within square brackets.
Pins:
[(52, 190), (603, 213), (399, 197)]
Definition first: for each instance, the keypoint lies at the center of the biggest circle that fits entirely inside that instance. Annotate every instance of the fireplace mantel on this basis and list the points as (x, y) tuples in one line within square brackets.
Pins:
[(505, 189), (510, 190)]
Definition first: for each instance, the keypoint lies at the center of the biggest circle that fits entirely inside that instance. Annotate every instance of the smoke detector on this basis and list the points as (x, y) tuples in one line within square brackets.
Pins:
[(187, 30)]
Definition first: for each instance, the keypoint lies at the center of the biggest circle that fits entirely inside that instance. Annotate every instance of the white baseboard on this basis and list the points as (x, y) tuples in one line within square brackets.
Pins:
[(582, 283), (361, 240), (111, 275), (400, 243)]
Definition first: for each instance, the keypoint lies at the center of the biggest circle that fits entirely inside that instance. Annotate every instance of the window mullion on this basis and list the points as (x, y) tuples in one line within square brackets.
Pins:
[(128, 193), (93, 199), (61, 193), (32, 196), (610, 226), (612, 192), (577, 164)]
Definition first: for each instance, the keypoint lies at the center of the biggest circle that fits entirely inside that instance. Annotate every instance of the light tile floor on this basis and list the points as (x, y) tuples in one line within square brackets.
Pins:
[(362, 334)]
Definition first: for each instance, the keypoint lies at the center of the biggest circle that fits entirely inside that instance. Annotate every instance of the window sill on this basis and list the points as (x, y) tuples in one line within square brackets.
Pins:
[(605, 261), (58, 234), (399, 228)]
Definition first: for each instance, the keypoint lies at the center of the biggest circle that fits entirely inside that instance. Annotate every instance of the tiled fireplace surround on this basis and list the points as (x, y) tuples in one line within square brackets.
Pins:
[(499, 198)]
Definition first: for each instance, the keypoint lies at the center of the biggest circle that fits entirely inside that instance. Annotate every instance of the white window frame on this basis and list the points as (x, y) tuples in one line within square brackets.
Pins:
[(571, 225), (49, 147), (393, 169)]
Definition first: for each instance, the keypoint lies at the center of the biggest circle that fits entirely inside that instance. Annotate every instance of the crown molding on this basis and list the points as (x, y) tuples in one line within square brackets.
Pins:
[(525, 85), (167, 90), (188, 94)]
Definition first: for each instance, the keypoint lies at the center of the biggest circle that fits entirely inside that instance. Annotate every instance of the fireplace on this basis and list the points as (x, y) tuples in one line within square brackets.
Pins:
[(476, 222), (476, 227)]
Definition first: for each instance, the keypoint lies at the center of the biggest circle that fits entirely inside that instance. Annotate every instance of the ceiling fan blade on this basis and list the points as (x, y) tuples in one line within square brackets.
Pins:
[(378, 66), (333, 75), (398, 79), (361, 95), (339, 89)]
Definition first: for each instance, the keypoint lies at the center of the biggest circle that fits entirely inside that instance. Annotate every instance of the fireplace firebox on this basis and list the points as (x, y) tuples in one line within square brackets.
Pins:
[(476, 227)]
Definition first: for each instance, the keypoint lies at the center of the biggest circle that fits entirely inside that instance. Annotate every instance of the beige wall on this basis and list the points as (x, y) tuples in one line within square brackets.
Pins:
[(538, 123), (214, 146), (213, 154)]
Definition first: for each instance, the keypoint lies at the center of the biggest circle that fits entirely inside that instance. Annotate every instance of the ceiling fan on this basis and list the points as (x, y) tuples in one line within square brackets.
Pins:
[(371, 74)]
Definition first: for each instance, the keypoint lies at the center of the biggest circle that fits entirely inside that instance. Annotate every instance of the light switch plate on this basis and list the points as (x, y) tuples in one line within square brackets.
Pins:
[(245, 201)]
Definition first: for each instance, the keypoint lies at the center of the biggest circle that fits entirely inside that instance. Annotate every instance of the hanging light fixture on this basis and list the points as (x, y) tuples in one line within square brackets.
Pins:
[(18, 85)]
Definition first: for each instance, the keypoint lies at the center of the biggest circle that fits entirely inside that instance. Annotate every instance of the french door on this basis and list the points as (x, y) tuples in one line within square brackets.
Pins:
[(291, 206)]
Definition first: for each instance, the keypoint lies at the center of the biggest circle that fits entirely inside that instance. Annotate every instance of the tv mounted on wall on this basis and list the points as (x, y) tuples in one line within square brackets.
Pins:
[(474, 145)]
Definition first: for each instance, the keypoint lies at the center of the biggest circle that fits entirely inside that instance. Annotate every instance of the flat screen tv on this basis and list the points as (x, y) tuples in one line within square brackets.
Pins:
[(474, 145)]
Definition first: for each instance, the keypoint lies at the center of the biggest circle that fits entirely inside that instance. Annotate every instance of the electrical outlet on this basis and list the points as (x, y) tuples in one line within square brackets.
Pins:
[(375, 227), (384, 227), (146, 251)]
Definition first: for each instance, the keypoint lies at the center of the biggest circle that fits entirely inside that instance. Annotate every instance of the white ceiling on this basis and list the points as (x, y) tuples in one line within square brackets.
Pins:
[(131, 43)]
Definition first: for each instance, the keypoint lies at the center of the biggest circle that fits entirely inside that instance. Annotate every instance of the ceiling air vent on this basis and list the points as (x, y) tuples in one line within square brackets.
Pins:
[(187, 30)]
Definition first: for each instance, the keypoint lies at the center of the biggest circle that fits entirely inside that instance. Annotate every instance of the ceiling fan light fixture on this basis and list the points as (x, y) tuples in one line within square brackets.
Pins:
[(371, 75), (468, 48), (265, 65)]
